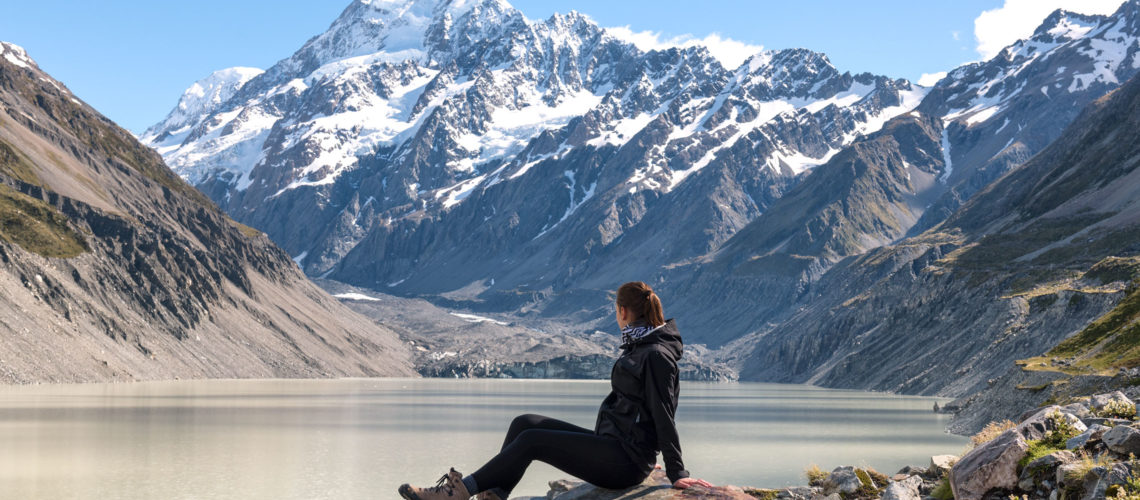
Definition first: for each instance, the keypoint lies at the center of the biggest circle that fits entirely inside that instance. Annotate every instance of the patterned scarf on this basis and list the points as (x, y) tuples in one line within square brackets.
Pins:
[(631, 334)]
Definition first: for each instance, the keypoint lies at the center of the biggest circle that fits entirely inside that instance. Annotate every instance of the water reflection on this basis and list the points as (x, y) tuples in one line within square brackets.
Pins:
[(348, 439)]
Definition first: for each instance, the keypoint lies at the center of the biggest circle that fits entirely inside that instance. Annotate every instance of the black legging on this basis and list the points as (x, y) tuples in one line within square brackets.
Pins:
[(599, 460)]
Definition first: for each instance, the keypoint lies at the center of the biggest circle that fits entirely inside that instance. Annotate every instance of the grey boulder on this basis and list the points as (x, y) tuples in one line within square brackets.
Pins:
[(1040, 423), (797, 493), (907, 489), (1078, 409), (990, 466), (842, 480), (1094, 432), (1123, 439), (1099, 479), (941, 464)]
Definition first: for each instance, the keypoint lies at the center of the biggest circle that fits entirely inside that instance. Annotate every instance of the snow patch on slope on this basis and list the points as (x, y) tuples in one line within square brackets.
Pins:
[(948, 165), (16, 55), (474, 318), (198, 101)]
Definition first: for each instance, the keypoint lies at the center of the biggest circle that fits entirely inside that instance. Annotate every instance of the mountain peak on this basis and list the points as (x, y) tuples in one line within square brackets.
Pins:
[(202, 98), (453, 6), (404, 29), (1063, 25), (16, 54), (414, 12)]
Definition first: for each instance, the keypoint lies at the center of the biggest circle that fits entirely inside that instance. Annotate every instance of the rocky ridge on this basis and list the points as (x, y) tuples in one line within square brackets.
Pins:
[(113, 268)]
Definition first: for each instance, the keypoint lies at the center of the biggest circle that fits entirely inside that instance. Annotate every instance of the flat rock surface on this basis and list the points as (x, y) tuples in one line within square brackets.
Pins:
[(656, 486)]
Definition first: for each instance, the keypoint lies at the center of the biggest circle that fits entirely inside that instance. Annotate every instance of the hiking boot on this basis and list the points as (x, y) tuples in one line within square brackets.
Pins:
[(448, 487), (487, 495)]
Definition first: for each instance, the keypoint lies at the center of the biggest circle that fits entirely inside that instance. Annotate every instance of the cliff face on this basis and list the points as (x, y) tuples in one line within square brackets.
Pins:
[(1028, 262), (867, 196), (113, 268)]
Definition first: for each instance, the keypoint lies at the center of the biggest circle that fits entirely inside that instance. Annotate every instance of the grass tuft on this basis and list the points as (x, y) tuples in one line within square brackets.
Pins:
[(991, 431), (815, 475)]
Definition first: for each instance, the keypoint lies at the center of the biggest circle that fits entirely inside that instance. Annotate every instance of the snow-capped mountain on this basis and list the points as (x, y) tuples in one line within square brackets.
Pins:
[(197, 102), (459, 150), (990, 118), (1000, 112), (404, 111)]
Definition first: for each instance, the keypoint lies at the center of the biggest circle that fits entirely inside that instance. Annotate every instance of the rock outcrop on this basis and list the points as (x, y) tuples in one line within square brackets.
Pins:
[(114, 269)]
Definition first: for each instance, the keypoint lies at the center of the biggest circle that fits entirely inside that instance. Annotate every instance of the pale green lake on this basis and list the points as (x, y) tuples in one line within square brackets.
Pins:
[(361, 438)]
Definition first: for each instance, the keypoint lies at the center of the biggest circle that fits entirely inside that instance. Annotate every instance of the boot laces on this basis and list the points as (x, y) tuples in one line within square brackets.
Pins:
[(444, 485)]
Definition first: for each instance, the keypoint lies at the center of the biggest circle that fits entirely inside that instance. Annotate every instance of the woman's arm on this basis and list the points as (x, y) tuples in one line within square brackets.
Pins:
[(660, 399)]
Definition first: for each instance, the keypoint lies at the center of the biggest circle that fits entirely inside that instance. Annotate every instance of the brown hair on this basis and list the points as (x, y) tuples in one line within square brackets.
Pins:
[(639, 298)]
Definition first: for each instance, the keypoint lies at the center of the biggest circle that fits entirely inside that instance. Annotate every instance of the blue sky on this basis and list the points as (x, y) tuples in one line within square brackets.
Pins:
[(131, 59)]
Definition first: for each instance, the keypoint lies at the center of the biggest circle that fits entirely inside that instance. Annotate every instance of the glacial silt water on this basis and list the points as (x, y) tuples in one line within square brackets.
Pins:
[(361, 438)]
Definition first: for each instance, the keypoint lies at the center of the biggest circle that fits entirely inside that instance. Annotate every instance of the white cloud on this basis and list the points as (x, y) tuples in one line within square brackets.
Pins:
[(731, 53), (1016, 19), (929, 79)]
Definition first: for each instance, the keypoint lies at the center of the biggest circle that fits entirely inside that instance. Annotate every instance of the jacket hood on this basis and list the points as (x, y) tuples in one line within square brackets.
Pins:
[(668, 336)]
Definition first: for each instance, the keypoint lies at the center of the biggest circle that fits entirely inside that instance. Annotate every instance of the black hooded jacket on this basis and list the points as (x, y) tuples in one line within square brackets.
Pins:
[(640, 408)]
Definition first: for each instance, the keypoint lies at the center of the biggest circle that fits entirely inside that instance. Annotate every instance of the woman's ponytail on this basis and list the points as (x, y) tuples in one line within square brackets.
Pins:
[(653, 312), (640, 298)]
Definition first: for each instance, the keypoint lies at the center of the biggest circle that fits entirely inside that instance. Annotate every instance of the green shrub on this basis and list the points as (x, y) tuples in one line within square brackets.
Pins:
[(1117, 409), (943, 490), (1053, 441)]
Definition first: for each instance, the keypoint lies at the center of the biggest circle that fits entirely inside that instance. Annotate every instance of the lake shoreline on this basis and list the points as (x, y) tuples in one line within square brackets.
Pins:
[(368, 435)]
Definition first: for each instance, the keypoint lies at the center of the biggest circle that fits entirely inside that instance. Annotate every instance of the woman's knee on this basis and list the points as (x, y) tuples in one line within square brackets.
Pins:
[(535, 444), (523, 422)]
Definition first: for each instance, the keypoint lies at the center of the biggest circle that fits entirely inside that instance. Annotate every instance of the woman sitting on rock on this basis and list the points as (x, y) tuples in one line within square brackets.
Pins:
[(634, 422)]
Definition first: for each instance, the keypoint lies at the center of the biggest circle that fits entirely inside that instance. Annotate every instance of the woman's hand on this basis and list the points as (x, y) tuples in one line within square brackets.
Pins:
[(686, 482)]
